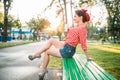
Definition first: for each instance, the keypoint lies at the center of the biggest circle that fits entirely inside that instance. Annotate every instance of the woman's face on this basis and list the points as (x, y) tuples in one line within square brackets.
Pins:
[(77, 18)]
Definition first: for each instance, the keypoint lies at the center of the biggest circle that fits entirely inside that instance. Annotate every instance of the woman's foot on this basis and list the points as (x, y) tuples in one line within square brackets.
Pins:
[(42, 74), (31, 57)]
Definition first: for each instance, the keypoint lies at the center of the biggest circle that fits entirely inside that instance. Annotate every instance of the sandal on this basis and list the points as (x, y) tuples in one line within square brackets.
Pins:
[(30, 57), (41, 75)]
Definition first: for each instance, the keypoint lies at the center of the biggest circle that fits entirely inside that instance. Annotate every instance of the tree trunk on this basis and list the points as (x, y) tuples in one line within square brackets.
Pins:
[(5, 23), (71, 13), (5, 30), (7, 4), (65, 12)]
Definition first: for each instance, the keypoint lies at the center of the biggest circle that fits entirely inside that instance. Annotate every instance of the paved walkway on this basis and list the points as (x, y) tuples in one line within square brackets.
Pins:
[(14, 64)]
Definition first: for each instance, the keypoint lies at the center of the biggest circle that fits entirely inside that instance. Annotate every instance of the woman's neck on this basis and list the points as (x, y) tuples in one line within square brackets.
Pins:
[(80, 23)]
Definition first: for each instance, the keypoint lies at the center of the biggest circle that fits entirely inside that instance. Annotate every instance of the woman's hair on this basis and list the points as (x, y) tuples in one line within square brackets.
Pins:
[(83, 13)]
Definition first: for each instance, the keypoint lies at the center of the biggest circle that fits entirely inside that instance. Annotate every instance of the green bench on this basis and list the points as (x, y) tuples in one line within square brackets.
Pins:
[(78, 68)]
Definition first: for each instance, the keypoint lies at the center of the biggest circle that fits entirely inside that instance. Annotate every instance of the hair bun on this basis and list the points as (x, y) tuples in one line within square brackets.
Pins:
[(87, 15), (83, 10)]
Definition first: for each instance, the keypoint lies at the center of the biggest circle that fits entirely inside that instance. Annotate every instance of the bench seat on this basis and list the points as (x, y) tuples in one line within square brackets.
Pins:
[(78, 68)]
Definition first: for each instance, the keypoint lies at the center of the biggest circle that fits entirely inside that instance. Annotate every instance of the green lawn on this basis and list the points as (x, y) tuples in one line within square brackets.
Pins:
[(107, 56), (10, 44)]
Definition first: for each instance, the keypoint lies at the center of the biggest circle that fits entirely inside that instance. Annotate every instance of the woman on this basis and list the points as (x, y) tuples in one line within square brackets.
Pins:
[(75, 36)]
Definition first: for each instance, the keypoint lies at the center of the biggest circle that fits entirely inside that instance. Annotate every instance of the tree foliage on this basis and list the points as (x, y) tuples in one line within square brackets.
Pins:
[(38, 24), (113, 8), (1, 16), (12, 22)]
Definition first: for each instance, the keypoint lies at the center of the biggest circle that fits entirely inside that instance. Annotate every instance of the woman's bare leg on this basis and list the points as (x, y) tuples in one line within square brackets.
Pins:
[(51, 42), (53, 52)]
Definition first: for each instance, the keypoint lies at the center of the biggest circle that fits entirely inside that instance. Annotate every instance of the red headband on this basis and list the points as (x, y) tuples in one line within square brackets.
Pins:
[(87, 15)]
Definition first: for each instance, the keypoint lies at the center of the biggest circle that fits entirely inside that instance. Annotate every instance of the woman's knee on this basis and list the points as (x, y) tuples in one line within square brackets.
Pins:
[(51, 40), (53, 52), (47, 52)]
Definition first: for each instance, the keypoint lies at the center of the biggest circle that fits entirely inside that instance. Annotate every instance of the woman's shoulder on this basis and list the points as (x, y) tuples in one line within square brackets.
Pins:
[(80, 27)]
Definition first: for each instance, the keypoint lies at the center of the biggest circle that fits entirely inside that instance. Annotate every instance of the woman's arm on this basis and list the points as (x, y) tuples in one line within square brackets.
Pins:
[(87, 56)]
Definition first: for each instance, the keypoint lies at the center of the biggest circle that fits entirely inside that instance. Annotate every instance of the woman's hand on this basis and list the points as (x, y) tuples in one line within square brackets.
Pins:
[(90, 59)]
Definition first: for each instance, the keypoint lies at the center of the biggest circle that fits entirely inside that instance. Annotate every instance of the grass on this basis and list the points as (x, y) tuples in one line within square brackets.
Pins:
[(107, 56), (10, 44), (55, 62)]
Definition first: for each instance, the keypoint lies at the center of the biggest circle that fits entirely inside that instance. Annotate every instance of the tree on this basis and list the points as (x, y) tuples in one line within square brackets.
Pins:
[(37, 25), (113, 9), (7, 4), (61, 4), (43, 23), (1, 16), (60, 30), (12, 22)]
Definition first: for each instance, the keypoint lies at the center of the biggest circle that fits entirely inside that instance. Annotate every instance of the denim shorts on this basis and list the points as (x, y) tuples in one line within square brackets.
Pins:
[(67, 51)]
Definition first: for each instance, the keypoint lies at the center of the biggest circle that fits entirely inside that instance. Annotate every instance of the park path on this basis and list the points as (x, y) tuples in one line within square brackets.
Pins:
[(15, 65)]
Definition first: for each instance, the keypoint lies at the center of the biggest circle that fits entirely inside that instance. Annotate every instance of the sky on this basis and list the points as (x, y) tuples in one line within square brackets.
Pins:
[(26, 9)]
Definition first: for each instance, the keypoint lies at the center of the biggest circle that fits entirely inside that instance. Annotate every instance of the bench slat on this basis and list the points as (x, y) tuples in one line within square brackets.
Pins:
[(71, 75), (104, 72), (84, 68), (93, 70), (71, 70), (65, 70), (79, 74), (78, 68), (99, 70)]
